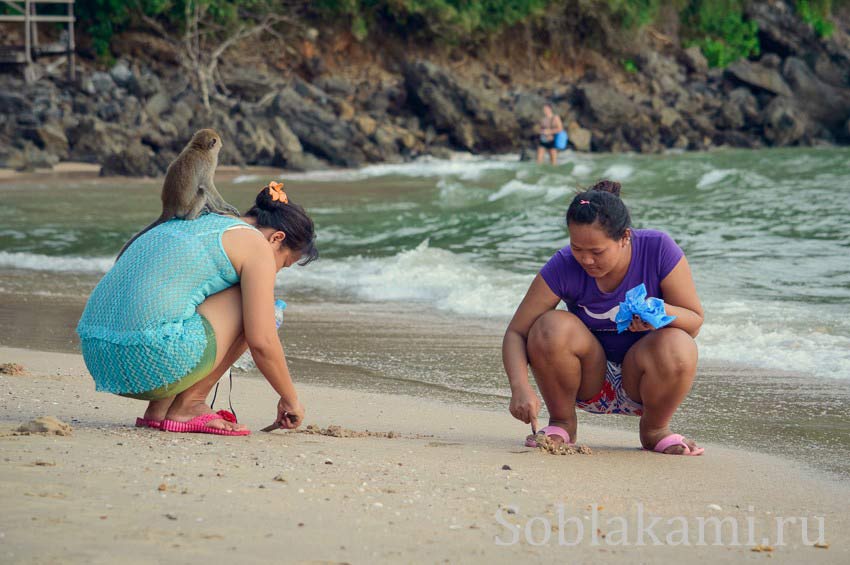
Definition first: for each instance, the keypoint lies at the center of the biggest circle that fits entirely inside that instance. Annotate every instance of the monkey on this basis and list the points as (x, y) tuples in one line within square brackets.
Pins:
[(188, 188)]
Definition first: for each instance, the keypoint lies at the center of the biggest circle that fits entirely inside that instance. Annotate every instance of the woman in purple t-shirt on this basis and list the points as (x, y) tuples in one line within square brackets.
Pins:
[(578, 357)]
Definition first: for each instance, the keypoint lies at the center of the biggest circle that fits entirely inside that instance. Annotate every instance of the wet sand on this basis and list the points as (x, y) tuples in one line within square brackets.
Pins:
[(405, 350), (451, 483)]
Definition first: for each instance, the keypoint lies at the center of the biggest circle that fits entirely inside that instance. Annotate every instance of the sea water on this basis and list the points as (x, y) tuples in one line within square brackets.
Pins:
[(765, 233)]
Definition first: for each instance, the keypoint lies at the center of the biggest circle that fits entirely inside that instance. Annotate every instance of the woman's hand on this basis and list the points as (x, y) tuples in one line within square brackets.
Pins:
[(525, 406), (289, 414), (638, 325)]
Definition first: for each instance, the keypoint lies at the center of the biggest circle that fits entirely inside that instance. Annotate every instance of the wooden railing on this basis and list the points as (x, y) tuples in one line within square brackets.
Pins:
[(26, 14)]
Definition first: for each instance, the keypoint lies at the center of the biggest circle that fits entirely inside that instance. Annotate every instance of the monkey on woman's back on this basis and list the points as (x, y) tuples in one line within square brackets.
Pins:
[(188, 188)]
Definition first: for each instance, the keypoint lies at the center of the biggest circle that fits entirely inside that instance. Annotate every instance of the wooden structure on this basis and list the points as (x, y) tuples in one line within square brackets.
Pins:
[(24, 11)]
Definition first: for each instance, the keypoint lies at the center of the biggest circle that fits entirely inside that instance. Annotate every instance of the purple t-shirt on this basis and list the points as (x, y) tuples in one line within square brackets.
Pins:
[(654, 254)]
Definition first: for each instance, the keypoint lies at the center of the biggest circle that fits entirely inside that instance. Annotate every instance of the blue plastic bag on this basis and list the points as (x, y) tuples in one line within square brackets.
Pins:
[(650, 310), (561, 140)]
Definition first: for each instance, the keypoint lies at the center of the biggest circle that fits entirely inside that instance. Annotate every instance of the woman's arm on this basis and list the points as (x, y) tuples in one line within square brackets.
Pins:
[(254, 261), (681, 299), (538, 300), (257, 282)]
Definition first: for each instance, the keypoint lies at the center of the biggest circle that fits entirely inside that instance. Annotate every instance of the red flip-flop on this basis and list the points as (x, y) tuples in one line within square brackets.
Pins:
[(199, 425)]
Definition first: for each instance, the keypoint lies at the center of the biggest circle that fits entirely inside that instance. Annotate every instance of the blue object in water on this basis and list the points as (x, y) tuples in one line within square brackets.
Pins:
[(561, 140), (279, 307), (650, 310)]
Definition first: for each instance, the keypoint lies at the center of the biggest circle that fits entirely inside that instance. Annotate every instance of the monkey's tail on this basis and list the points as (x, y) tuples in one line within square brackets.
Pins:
[(158, 221)]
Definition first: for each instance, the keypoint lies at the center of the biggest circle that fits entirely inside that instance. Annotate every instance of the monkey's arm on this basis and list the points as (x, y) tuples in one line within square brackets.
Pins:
[(215, 203)]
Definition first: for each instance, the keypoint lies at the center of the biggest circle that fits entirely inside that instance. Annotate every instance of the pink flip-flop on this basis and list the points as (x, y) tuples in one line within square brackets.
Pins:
[(146, 423), (550, 431), (676, 439), (199, 425)]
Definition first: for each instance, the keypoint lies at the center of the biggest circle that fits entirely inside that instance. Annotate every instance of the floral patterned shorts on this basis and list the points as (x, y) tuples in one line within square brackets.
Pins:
[(612, 399)]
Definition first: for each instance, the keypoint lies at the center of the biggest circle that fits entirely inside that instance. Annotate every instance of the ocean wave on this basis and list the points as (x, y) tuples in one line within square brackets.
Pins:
[(515, 186), (713, 177), (462, 165), (739, 332), (241, 179), (436, 277), (812, 352), (618, 172), (36, 262)]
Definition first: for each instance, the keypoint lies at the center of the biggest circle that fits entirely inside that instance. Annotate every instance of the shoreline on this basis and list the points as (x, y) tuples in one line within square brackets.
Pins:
[(432, 493), (405, 352)]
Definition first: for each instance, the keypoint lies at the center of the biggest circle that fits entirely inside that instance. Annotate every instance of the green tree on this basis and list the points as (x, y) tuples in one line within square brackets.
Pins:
[(720, 29)]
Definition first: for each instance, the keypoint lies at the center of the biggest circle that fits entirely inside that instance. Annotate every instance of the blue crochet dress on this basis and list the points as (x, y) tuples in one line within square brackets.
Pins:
[(139, 330)]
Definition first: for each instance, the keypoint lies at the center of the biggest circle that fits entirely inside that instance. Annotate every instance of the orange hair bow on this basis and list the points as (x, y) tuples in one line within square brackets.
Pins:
[(277, 193)]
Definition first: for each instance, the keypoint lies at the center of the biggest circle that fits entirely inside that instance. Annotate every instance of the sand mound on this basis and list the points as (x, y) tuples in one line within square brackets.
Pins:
[(45, 425), (12, 369), (339, 431), (546, 445)]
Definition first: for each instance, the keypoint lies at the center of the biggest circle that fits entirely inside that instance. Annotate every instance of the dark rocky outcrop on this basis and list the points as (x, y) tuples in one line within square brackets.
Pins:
[(473, 118), (134, 118)]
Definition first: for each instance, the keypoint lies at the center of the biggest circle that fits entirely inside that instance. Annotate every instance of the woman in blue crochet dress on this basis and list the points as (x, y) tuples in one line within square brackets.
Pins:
[(579, 358), (185, 301)]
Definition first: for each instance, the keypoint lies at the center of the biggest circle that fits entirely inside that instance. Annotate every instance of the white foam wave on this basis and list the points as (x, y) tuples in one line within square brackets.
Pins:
[(713, 177), (773, 336), (246, 178), (437, 277), (36, 262), (582, 170), (515, 186), (618, 172), (461, 165)]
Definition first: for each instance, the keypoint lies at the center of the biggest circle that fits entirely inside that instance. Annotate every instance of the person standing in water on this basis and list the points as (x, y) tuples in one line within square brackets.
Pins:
[(550, 126), (185, 301), (578, 357)]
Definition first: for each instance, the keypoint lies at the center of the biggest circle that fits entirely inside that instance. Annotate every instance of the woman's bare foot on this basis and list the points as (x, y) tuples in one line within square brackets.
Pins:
[(183, 412), (157, 409), (650, 438), (569, 427)]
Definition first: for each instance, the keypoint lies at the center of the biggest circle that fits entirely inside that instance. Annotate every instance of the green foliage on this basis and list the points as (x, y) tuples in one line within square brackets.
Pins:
[(451, 20), (629, 66), (816, 13), (634, 13), (101, 19), (719, 28)]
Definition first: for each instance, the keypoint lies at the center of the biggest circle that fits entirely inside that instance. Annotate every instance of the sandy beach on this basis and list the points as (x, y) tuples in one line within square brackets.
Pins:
[(453, 485)]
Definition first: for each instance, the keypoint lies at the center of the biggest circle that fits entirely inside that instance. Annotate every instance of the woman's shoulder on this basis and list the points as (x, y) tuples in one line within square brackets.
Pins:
[(562, 262), (651, 236)]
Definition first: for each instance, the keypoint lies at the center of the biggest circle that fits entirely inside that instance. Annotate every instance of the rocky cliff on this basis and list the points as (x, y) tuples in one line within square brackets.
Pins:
[(354, 108)]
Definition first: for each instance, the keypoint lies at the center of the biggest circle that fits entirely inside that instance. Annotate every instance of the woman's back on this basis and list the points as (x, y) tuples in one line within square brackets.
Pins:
[(149, 297)]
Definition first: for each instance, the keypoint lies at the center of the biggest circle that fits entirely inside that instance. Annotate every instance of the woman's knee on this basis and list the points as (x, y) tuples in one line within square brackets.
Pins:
[(552, 334), (675, 353), (223, 311)]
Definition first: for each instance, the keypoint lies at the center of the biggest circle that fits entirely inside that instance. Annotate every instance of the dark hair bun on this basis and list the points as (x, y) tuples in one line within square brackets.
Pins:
[(606, 185), (264, 201), (288, 217), (601, 203)]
